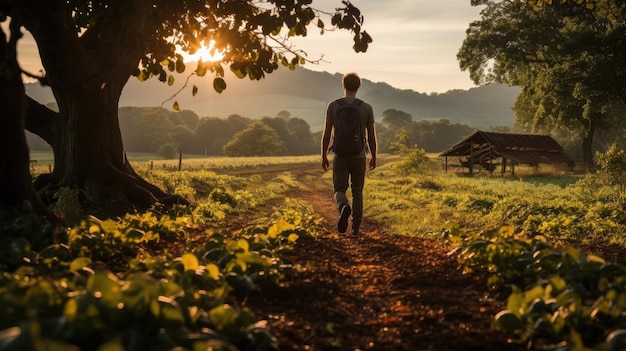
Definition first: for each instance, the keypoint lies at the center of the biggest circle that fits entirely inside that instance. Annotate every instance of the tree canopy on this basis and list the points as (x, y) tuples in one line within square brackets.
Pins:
[(89, 50), (258, 139), (570, 78), (396, 119)]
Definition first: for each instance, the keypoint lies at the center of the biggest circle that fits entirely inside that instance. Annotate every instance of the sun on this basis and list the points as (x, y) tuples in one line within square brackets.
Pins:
[(206, 53)]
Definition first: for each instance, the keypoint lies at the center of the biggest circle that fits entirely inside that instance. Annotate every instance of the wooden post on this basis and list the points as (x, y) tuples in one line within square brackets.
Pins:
[(180, 160)]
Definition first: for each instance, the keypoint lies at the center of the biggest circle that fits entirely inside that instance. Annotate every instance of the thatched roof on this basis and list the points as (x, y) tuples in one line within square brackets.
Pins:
[(519, 148)]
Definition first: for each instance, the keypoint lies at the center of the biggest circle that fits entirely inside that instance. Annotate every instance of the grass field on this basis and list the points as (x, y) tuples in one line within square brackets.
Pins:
[(42, 161), (565, 206)]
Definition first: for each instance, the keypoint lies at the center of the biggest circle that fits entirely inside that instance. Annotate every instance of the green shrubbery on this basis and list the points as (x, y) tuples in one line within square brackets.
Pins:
[(613, 168), (111, 285), (562, 299)]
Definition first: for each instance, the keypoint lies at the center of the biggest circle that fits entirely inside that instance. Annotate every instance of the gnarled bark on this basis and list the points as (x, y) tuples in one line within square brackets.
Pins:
[(16, 189), (86, 79)]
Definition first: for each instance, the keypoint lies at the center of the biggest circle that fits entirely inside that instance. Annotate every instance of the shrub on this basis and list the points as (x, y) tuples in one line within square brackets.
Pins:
[(413, 160), (168, 151), (613, 166)]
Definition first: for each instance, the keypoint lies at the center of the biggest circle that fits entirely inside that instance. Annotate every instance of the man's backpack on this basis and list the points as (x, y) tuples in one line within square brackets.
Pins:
[(349, 139)]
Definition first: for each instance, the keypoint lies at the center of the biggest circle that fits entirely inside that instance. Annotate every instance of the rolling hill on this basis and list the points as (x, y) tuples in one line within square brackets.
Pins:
[(305, 93)]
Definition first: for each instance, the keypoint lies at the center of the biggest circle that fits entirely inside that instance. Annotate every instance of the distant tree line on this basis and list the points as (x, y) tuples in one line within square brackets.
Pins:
[(150, 129), (165, 132), (430, 135)]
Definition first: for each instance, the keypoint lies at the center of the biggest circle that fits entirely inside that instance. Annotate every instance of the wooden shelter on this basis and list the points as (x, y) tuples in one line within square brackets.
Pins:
[(485, 149)]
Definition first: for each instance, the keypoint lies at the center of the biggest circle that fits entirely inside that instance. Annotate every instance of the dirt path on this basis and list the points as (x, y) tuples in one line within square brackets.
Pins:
[(378, 292)]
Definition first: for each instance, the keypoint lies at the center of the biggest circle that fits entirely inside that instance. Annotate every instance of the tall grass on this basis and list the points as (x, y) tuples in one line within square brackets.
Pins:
[(567, 208), (43, 161)]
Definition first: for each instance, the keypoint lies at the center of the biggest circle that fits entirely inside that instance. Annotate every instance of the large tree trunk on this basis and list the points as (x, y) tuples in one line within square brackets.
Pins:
[(590, 129), (16, 189), (91, 155), (87, 76)]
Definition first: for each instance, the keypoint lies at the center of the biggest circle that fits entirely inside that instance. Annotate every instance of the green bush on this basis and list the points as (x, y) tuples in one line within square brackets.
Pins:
[(613, 166), (561, 298), (168, 151), (64, 297)]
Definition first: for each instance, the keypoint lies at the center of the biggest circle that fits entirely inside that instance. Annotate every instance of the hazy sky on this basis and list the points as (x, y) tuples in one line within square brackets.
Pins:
[(415, 44)]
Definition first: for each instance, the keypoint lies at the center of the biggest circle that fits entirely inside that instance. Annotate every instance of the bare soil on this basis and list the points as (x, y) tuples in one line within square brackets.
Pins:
[(380, 291)]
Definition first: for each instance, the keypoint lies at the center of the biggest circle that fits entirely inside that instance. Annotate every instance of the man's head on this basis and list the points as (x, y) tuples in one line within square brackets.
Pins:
[(351, 81)]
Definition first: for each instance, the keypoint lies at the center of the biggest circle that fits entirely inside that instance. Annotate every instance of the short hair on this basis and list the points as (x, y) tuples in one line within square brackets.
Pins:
[(351, 81)]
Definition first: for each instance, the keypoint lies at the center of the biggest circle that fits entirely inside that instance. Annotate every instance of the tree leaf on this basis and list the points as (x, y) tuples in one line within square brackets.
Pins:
[(143, 75), (219, 70), (113, 345), (240, 73), (169, 311), (219, 84), (222, 316), (243, 244), (190, 261), (558, 284), (213, 270), (254, 258), (180, 66), (79, 263), (201, 70), (106, 287)]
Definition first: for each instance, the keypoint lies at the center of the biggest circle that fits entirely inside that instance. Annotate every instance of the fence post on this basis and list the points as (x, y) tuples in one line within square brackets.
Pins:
[(180, 160)]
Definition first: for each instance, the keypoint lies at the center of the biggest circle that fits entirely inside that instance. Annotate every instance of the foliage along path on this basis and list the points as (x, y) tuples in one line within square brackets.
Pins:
[(378, 292)]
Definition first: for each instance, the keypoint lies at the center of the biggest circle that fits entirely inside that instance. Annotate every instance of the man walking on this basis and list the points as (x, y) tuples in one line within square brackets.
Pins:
[(349, 166)]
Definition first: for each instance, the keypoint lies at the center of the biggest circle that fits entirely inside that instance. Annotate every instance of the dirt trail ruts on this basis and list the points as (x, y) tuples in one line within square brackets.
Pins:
[(377, 292)]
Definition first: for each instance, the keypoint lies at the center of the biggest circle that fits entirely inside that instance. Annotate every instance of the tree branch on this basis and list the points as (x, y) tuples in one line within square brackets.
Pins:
[(41, 121)]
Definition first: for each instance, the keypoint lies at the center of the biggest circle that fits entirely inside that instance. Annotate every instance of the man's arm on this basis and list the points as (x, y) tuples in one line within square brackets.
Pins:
[(373, 144), (328, 126)]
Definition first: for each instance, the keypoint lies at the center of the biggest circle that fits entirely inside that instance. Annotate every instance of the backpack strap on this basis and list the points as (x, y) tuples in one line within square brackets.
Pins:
[(344, 102)]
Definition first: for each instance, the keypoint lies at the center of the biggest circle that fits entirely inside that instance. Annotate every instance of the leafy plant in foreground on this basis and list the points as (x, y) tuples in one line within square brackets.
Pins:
[(100, 239), (561, 298), (22, 233), (66, 298)]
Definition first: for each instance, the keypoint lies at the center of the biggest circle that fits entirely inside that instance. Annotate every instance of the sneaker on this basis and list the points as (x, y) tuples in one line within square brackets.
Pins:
[(342, 224)]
